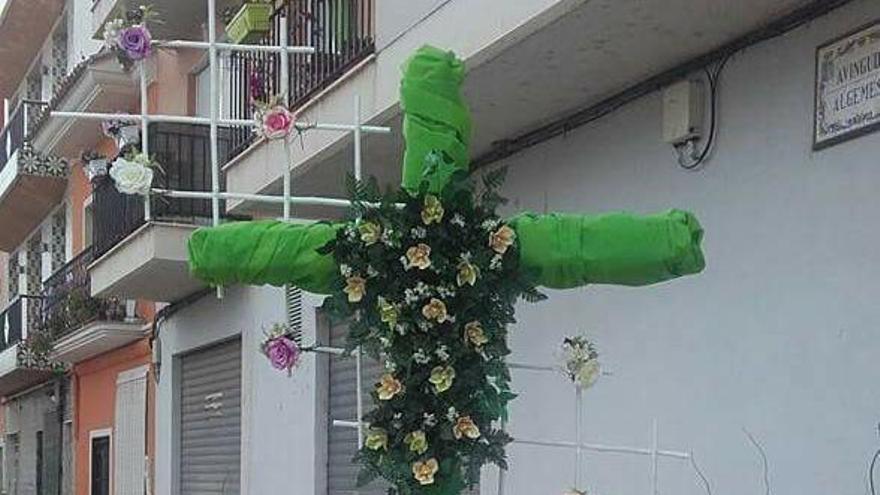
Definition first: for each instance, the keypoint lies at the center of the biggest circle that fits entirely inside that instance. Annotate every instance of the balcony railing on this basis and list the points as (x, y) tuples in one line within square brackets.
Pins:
[(183, 151), (18, 128), (342, 32), (18, 319), (67, 304)]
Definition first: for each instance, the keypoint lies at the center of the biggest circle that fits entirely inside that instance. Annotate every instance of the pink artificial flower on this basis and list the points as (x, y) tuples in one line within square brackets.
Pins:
[(283, 352), (276, 122)]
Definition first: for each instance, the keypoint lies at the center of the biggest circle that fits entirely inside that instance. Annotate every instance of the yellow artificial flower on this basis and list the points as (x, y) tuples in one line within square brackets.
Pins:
[(432, 212), (465, 427), (435, 310), (502, 239), (442, 378), (388, 312), (418, 256), (467, 273), (417, 442), (377, 439), (370, 232), (355, 287), (474, 334), (388, 387), (424, 471)]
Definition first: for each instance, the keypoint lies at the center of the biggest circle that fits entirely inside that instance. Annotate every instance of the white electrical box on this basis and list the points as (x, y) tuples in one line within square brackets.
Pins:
[(683, 106)]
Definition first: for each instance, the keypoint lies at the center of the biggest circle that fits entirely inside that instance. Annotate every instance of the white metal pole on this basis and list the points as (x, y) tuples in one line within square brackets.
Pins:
[(285, 94), (358, 167), (502, 473), (145, 123), (654, 456), (360, 397), (579, 435), (8, 143), (214, 101)]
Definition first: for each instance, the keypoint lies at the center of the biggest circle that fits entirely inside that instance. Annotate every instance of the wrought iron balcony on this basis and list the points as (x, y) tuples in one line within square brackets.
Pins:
[(82, 326), (31, 183), (342, 33), (19, 321), (136, 259)]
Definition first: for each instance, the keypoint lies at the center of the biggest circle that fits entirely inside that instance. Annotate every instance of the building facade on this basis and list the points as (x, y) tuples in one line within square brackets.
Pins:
[(768, 354)]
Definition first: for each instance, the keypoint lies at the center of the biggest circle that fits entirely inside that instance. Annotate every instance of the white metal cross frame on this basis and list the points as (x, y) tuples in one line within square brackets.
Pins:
[(357, 128), (579, 445)]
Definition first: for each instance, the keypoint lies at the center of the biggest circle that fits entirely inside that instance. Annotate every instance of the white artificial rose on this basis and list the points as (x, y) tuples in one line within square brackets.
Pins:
[(131, 177), (588, 373)]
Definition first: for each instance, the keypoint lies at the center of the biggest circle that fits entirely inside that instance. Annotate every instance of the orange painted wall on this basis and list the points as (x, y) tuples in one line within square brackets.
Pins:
[(94, 383)]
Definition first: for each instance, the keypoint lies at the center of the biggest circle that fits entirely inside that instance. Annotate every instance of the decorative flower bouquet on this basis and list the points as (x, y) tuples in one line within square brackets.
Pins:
[(95, 164), (129, 37), (133, 174), (580, 361), (428, 282)]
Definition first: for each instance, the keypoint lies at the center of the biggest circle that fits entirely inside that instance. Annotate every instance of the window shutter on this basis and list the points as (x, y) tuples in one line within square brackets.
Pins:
[(129, 436)]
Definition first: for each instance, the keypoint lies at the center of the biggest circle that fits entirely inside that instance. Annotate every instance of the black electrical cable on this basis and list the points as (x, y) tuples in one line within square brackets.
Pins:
[(713, 77)]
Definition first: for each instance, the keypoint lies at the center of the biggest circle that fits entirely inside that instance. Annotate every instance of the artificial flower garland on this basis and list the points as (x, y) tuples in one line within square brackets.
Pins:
[(428, 282)]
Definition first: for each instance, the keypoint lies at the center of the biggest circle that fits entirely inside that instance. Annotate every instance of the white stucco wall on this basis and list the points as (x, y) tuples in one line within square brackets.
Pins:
[(778, 336), (278, 412)]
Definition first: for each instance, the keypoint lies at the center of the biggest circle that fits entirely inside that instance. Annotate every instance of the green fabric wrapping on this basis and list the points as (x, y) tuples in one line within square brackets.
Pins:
[(566, 251), (436, 118), (264, 252)]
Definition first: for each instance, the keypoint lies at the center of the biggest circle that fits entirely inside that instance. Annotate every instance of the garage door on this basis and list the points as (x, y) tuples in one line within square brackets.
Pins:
[(210, 421)]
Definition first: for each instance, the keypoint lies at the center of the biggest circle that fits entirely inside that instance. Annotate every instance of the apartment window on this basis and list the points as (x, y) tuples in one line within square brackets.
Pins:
[(59, 54), (59, 239), (39, 463), (34, 270), (12, 276), (35, 84), (88, 223), (99, 467)]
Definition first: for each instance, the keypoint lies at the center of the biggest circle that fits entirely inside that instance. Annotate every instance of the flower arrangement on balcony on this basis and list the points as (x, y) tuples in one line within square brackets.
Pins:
[(248, 22), (129, 37), (133, 173)]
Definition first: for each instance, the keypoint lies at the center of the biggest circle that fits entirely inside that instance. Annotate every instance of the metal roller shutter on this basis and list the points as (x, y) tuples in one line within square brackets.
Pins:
[(210, 421), (341, 471)]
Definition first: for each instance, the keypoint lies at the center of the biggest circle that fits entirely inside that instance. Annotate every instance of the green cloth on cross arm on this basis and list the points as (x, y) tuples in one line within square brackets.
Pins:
[(436, 118), (566, 251), (264, 252)]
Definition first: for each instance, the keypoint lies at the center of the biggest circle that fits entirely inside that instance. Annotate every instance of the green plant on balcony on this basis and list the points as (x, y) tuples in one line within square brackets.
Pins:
[(248, 22), (75, 310)]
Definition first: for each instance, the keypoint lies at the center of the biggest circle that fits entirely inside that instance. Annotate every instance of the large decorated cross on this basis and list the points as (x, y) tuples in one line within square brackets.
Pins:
[(427, 278)]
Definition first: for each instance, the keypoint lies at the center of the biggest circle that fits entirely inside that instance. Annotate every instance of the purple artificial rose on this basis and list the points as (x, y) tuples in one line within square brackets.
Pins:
[(283, 352), (136, 42)]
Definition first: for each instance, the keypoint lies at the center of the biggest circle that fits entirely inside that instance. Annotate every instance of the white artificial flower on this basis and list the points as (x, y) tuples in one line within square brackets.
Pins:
[(409, 296), (422, 289), (111, 33), (421, 357), (132, 177), (400, 328), (345, 270), (442, 352), (495, 264), (451, 414), (372, 272), (418, 232), (430, 420), (457, 219), (490, 224)]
